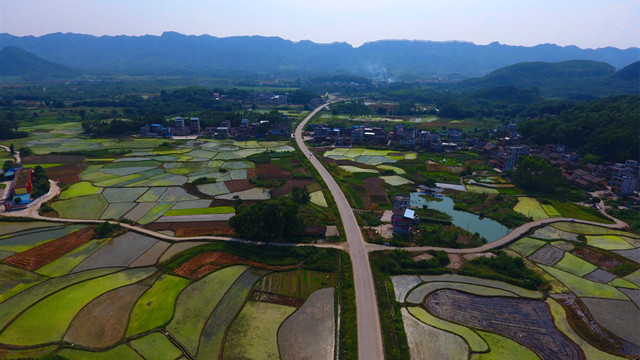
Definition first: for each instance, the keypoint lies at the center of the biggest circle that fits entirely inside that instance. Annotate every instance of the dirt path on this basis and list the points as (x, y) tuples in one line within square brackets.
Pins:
[(16, 154)]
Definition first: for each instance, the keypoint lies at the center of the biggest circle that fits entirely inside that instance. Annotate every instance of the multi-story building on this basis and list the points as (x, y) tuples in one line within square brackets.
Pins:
[(624, 178)]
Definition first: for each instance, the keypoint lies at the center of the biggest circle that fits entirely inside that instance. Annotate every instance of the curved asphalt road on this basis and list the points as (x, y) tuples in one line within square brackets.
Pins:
[(369, 335)]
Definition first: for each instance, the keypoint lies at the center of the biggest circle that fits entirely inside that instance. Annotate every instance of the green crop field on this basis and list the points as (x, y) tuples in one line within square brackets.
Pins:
[(84, 207), (530, 207), (476, 343), (583, 287), (156, 346), (575, 265), (551, 211), (195, 303), (119, 352), (527, 246), (481, 189), (298, 283), (395, 169), (619, 282), (503, 348), (586, 229), (395, 180), (317, 197), (254, 333), (608, 242), (155, 307), (569, 210), (201, 211), (117, 195), (158, 210), (39, 325)]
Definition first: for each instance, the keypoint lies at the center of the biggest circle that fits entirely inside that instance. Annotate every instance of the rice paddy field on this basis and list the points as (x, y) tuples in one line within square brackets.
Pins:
[(462, 317), (92, 302), (146, 184)]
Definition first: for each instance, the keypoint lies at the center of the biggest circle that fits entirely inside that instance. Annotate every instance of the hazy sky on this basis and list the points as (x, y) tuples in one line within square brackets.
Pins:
[(585, 23)]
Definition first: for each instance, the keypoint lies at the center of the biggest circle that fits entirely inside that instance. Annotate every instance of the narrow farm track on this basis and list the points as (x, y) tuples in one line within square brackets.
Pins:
[(369, 333)]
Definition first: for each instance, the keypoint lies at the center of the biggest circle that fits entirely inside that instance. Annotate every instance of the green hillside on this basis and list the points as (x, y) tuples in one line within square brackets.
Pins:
[(17, 62)]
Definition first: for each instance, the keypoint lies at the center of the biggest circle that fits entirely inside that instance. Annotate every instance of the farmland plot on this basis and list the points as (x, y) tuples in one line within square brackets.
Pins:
[(585, 288), (575, 265), (104, 320), (120, 251), (84, 207), (475, 342), (547, 255), (64, 264), (427, 342), (505, 316), (254, 332), (530, 207), (402, 284), (79, 189), (26, 240), (503, 348), (39, 325), (197, 301), (155, 307), (119, 352), (526, 246), (213, 333), (13, 281), (123, 195), (417, 295), (156, 346), (550, 233), (484, 282), (309, 332), (117, 210), (623, 321)]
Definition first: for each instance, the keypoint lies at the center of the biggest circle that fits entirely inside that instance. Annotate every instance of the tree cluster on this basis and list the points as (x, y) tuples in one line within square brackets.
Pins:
[(272, 221), (40, 184)]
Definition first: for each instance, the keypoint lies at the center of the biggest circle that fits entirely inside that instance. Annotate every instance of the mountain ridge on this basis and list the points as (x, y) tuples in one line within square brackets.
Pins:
[(382, 59)]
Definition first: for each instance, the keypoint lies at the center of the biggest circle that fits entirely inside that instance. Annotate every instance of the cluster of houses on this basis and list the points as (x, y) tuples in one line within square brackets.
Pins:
[(400, 135), (246, 130), (19, 190)]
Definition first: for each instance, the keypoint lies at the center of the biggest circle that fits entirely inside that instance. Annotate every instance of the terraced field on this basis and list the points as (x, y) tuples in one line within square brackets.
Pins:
[(111, 303)]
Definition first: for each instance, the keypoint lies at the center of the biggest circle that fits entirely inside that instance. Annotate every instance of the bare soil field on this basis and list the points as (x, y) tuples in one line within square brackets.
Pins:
[(599, 259), (270, 171), (260, 296), (238, 185), (203, 264), (41, 255), (290, 185), (375, 189), (120, 251), (193, 228), (67, 173), (528, 322), (427, 342), (623, 321), (104, 320), (54, 159), (547, 255)]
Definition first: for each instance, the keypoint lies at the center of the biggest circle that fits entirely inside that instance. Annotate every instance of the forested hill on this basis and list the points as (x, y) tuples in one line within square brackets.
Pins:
[(577, 79), (17, 62), (174, 53), (606, 129)]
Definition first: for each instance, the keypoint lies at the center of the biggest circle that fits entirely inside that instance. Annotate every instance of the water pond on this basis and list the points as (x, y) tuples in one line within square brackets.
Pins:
[(487, 228)]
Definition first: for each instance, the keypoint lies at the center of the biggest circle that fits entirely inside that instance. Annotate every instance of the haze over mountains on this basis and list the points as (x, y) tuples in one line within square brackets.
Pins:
[(173, 53)]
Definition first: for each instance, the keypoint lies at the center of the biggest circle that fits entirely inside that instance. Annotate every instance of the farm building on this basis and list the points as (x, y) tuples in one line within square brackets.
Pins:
[(402, 217), (20, 190)]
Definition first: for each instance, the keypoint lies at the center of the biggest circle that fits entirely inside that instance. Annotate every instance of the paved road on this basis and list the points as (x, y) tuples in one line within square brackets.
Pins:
[(369, 334)]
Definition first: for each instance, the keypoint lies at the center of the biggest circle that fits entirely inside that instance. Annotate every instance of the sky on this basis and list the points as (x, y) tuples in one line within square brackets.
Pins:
[(584, 23)]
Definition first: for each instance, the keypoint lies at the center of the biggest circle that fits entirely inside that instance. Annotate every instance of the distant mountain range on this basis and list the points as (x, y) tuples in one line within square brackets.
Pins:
[(177, 54)]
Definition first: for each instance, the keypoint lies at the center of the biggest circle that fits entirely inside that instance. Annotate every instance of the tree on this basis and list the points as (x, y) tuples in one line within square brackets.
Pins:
[(7, 165), (536, 173), (12, 149), (25, 151), (301, 195), (271, 220), (40, 183)]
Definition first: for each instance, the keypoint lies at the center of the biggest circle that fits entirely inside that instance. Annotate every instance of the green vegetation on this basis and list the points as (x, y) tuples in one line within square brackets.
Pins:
[(40, 183), (575, 265), (608, 242), (64, 264), (84, 207), (530, 207), (347, 301), (503, 348), (550, 210), (254, 332), (155, 307), (201, 211), (631, 217), (39, 325), (606, 128), (158, 210), (537, 174), (298, 283), (497, 207), (504, 268), (583, 287), (271, 220), (527, 246), (574, 211), (197, 301), (156, 346), (476, 343), (82, 188), (119, 352)]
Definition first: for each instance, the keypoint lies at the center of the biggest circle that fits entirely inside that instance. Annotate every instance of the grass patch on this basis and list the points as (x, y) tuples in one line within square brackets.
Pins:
[(299, 283), (476, 343), (39, 325), (254, 333), (155, 307), (201, 211), (83, 188), (317, 197)]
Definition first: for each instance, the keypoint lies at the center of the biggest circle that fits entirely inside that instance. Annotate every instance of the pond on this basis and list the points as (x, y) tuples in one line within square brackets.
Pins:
[(487, 228)]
